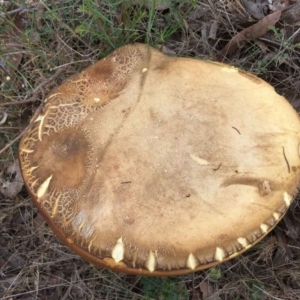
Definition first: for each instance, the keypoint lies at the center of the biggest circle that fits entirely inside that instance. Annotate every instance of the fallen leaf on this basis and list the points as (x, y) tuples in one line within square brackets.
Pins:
[(278, 5), (291, 15), (250, 33), (11, 186), (195, 295), (213, 30), (254, 9), (165, 50), (207, 291), (292, 225), (296, 103)]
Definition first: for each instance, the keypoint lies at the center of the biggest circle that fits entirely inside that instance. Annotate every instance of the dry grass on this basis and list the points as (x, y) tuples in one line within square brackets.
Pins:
[(45, 42)]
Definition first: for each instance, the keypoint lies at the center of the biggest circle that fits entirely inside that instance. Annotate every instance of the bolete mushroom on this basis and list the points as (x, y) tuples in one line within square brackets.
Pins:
[(157, 165)]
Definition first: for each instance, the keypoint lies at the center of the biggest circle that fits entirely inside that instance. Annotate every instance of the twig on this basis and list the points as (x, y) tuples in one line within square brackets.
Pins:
[(219, 166), (38, 110), (14, 11), (13, 141), (236, 130), (35, 91), (17, 10), (33, 99), (21, 134), (67, 292)]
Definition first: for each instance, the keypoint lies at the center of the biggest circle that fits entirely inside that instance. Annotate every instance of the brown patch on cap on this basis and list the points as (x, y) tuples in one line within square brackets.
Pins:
[(63, 155)]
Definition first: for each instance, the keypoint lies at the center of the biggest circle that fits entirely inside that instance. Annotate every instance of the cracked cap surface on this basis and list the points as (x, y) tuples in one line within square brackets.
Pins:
[(156, 165)]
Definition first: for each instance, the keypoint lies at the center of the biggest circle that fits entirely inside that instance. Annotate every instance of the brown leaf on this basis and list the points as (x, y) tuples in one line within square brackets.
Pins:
[(250, 33), (208, 292), (13, 184), (291, 15), (278, 5), (213, 30), (254, 9), (195, 295)]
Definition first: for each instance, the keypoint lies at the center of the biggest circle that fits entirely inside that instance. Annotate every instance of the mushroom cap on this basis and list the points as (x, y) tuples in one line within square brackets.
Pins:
[(156, 165)]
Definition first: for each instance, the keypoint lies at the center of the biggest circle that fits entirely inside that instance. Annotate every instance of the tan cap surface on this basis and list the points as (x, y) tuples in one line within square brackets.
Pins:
[(159, 166)]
